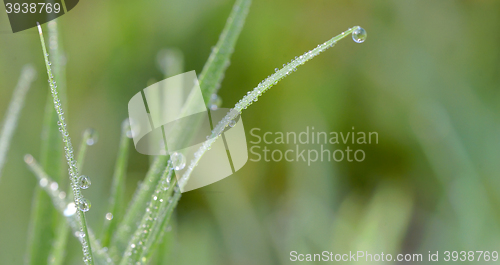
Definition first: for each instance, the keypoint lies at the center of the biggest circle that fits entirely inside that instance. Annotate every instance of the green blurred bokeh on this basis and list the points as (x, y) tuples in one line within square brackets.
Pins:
[(426, 80)]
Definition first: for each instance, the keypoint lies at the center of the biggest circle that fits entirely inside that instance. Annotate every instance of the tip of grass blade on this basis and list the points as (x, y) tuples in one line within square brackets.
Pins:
[(39, 28)]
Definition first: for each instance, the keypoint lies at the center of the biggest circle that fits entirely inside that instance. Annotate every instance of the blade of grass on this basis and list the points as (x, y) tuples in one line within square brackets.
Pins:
[(16, 104), (114, 214), (252, 96), (45, 221), (73, 170), (213, 72), (58, 251), (66, 209)]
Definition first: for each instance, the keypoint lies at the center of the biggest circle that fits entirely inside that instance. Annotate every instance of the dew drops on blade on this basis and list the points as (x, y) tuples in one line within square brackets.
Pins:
[(84, 205), (178, 161), (359, 34), (84, 182)]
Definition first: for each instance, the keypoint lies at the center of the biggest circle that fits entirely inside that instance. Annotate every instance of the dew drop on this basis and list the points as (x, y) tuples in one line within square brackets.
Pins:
[(84, 182), (232, 123), (44, 182), (109, 216), (359, 35), (84, 205), (92, 136), (54, 186), (178, 161), (70, 209)]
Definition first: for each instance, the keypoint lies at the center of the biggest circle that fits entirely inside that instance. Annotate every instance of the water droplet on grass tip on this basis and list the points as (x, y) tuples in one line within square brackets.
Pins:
[(178, 161), (84, 182), (232, 123), (359, 35), (84, 205)]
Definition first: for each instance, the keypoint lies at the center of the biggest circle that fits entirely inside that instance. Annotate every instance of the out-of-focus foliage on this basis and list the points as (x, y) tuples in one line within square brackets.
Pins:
[(426, 80)]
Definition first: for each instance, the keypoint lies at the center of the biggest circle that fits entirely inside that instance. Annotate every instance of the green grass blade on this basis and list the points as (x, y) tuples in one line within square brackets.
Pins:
[(213, 72), (68, 210), (73, 170), (114, 214), (52, 157), (252, 96), (13, 111)]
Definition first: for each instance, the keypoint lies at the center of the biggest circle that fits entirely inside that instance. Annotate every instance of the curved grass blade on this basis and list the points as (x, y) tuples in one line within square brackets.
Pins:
[(73, 170), (114, 214), (252, 96)]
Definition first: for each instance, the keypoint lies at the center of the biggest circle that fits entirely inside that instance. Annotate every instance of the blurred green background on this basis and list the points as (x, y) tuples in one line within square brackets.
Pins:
[(426, 79)]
